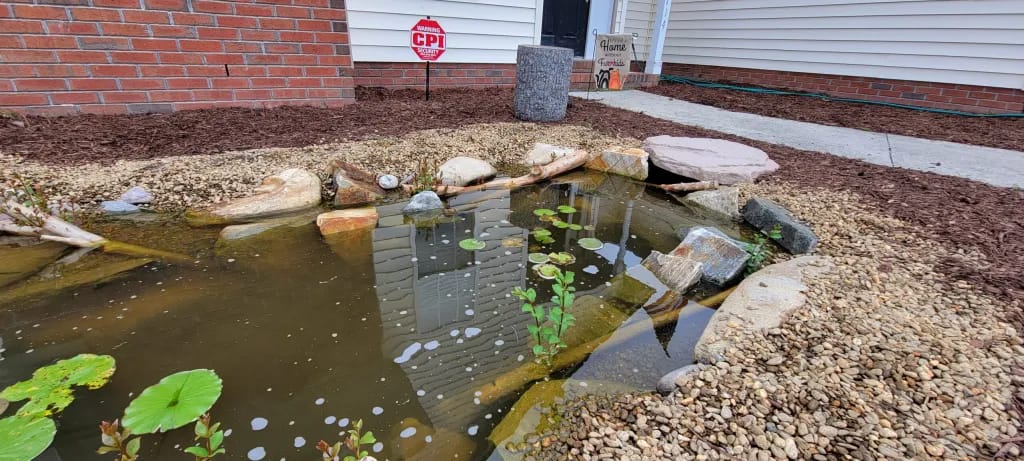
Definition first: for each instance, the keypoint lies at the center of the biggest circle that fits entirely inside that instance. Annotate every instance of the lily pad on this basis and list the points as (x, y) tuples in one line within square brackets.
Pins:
[(512, 242), (566, 209), (562, 258), (588, 227), (575, 227), (543, 212), (560, 224), (24, 438), (472, 244), (547, 271), (538, 258), (175, 401), (542, 235), (589, 243), (49, 389)]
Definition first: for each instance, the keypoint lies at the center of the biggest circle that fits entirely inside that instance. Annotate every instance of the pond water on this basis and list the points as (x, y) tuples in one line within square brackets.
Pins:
[(399, 327)]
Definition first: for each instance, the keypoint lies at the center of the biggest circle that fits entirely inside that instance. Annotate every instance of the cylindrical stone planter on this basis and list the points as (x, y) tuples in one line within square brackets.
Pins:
[(542, 82)]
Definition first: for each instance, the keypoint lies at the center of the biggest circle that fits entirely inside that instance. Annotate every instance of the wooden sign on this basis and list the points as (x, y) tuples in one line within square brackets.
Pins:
[(611, 60)]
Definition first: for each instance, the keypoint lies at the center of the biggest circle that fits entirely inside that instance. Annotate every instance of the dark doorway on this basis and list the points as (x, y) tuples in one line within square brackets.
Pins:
[(565, 24)]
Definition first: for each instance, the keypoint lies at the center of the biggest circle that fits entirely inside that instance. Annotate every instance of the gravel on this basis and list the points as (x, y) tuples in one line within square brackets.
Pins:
[(889, 359)]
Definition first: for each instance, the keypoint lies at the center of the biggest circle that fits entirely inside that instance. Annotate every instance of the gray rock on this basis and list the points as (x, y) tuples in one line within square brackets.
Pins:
[(667, 383), (724, 201), (116, 207), (423, 201), (709, 159), (462, 171), (764, 214), (543, 154), (677, 273), (722, 260), (387, 181), (543, 74), (137, 195)]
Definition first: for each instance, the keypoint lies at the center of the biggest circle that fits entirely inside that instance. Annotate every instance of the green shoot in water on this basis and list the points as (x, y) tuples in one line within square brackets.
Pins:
[(549, 325), (761, 250), (354, 442)]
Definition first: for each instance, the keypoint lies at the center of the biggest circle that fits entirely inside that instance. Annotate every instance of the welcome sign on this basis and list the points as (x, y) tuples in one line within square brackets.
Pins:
[(611, 60)]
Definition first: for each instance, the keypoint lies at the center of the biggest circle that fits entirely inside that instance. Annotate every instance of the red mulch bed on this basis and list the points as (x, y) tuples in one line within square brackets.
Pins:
[(1005, 133), (964, 214)]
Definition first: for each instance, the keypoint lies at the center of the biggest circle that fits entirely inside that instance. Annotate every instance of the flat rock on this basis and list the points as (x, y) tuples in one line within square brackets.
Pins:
[(353, 186), (241, 231), (761, 302), (678, 273), (351, 219), (708, 159), (764, 214), (724, 201), (137, 195), (722, 259), (118, 207), (624, 161), (423, 201), (290, 190), (669, 382), (462, 171), (543, 154)]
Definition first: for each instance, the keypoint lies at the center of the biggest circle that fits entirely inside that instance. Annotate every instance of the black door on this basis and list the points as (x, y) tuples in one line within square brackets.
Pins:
[(565, 24)]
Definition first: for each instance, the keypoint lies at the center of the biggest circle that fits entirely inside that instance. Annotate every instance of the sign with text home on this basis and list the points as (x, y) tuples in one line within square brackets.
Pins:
[(427, 39), (611, 60)]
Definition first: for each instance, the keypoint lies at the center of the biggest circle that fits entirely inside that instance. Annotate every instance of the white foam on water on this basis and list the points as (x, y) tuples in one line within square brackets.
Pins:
[(300, 442), (330, 420), (258, 424), (431, 345), (319, 401), (343, 422), (377, 411), (257, 454), (473, 430), (472, 331), (407, 432), (378, 447), (409, 351)]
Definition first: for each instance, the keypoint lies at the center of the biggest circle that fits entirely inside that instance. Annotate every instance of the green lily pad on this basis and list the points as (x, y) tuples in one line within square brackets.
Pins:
[(562, 258), (472, 244), (589, 243), (543, 212), (575, 227), (560, 224), (588, 227), (24, 438), (175, 401), (538, 258), (566, 209), (49, 389), (547, 271)]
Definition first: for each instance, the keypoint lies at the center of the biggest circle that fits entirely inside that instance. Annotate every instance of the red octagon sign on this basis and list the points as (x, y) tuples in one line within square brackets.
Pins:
[(427, 40)]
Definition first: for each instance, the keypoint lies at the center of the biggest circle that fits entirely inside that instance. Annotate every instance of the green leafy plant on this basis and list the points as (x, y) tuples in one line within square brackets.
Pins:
[(116, 440), (353, 442), (211, 440), (546, 271), (560, 224), (49, 390), (590, 243), (543, 212), (566, 209), (23, 438), (427, 176), (549, 325), (538, 258), (575, 227), (472, 244), (543, 236), (175, 401), (561, 258), (761, 249)]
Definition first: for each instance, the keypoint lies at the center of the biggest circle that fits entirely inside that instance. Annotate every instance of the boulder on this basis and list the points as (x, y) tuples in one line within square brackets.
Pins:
[(722, 260), (118, 207), (765, 214), (678, 273), (724, 201), (353, 186), (624, 161), (672, 379), (351, 219), (760, 302), (543, 154), (137, 195), (707, 159), (462, 171), (290, 190), (423, 201)]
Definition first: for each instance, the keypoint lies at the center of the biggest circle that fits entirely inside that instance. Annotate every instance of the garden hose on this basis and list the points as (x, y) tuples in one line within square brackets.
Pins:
[(750, 89)]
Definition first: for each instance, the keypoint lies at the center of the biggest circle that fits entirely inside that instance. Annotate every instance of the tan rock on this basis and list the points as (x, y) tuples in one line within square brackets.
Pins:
[(290, 190), (354, 186), (334, 222), (630, 162)]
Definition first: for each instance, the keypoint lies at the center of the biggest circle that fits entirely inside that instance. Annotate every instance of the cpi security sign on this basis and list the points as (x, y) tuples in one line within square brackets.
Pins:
[(427, 39)]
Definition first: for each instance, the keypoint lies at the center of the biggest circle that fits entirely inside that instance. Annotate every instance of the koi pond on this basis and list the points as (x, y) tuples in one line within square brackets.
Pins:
[(403, 328)]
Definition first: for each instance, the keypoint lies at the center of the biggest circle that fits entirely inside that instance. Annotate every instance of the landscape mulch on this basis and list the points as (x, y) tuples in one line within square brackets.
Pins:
[(1005, 133), (966, 215)]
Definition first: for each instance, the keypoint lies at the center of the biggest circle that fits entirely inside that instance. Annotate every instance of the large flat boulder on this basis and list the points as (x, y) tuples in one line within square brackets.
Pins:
[(623, 161), (293, 189), (347, 220), (721, 259), (764, 214), (761, 302), (708, 159), (463, 171), (354, 186), (677, 273)]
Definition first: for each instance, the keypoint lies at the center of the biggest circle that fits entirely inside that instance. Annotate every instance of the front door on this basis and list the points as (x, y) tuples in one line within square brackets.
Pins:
[(565, 24)]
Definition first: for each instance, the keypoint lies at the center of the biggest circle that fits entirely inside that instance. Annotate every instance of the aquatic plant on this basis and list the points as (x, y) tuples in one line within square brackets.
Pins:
[(590, 243), (471, 244), (512, 242), (116, 440), (427, 176), (566, 209), (575, 227), (560, 224), (23, 438), (354, 441), (561, 258), (546, 271), (542, 236), (760, 250), (538, 258), (211, 440), (49, 390), (543, 212), (549, 326)]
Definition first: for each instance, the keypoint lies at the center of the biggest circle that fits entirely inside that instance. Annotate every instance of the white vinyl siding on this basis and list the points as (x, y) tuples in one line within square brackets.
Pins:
[(640, 20), (477, 31), (977, 42)]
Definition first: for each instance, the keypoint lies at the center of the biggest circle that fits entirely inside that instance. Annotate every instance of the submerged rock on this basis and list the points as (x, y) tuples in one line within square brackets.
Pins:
[(115, 207), (543, 154), (707, 159), (724, 201), (241, 231), (722, 260), (423, 201), (624, 161), (765, 214), (677, 273), (334, 222), (23, 261), (290, 190), (462, 171), (137, 195), (353, 186), (760, 302)]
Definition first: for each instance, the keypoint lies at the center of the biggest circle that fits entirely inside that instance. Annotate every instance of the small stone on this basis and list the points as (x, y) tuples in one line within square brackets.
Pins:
[(387, 181), (777, 360), (137, 195), (423, 201), (117, 207)]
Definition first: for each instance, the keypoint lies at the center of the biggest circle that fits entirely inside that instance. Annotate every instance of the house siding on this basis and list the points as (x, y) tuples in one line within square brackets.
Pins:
[(640, 21)]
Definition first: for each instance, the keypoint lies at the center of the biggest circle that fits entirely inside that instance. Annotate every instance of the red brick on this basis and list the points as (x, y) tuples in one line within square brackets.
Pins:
[(192, 19), (284, 48), (964, 101), (204, 71), (240, 22), (307, 82), (252, 94), (242, 47), (281, 93), (39, 12), (332, 14), (321, 71), (61, 70), (1011, 98), (285, 71), (209, 46), (234, 59), (116, 3), (49, 41), (981, 95), (213, 95), (92, 84), (75, 97), (216, 33), (124, 96), (146, 17), (313, 25), (266, 35), (133, 57), (253, 10), (187, 83), (173, 31), (277, 23), (297, 36), (993, 104), (133, 30), (248, 71), (176, 5), (15, 26), (170, 96), (267, 82), (41, 84), (229, 82), (324, 92), (8, 56), (317, 48), (22, 99), (71, 28), (161, 71), (154, 44), (331, 37), (142, 83), (263, 59), (205, 6), (299, 60), (292, 12), (82, 56), (11, 41), (95, 14), (181, 58), (113, 70), (344, 61)]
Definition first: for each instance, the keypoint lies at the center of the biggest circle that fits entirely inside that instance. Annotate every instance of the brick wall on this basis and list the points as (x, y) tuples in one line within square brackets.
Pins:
[(136, 56), (447, 75), (968, 98)]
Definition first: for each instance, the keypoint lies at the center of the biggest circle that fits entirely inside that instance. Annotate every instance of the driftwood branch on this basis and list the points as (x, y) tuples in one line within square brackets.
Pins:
[(538, 173), (688, 186)]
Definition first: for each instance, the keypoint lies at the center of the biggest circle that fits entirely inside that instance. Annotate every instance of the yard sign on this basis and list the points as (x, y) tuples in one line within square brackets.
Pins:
[(427, 39), (611, 60)]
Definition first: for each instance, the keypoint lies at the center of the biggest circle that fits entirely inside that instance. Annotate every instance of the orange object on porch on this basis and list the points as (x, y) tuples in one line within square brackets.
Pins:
[(615, 80)]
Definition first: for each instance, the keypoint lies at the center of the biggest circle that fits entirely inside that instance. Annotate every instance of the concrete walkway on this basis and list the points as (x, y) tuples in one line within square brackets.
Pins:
[(999, 167)]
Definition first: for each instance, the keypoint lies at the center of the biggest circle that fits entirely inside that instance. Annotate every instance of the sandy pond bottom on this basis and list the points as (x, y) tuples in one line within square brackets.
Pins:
[(399, 327)]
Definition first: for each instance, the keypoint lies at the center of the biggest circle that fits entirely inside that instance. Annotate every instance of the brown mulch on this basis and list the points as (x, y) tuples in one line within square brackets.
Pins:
[(967, 215), (1005, 133)]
